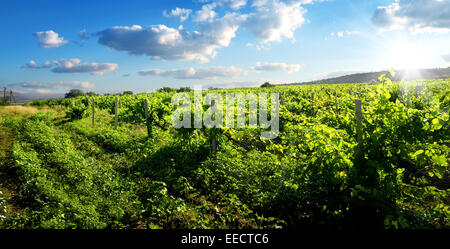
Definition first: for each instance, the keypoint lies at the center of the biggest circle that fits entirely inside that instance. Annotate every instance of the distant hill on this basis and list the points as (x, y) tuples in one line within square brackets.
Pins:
[(27, 97), (421, 74)]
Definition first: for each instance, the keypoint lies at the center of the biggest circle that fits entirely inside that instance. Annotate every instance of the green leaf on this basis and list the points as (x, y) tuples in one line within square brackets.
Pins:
[(391, 71), (439, 160), (417, 153), (436, 124)]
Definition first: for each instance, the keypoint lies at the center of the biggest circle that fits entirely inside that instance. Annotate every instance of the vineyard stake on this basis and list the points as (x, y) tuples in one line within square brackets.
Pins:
[(149, 131), (312, 103), (213, 133), (93, 112), (116, 115), (146, 109), (337, 104), (358, 114)]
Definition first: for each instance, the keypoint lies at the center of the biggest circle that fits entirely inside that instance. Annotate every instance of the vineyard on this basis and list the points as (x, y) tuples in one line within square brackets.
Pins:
[(331, 166)]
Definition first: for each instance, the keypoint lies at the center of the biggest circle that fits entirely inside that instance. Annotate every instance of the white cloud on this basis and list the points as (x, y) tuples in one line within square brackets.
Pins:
[(276, 66), (385, 18), (43, 91), (33, 65), (200, 73), (419, 16), (418, 29), (274, 20), (207, 13), (210, 73), (341, 34), (83, 34), (74, 65), (46, 64), (164, 43), (353, 32), (49, 39), (46, 86), (234, 4), (269, 21), (181, 13)]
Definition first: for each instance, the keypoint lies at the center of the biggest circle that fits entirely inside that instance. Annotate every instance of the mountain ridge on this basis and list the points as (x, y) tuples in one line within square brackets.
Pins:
[(420, 74)]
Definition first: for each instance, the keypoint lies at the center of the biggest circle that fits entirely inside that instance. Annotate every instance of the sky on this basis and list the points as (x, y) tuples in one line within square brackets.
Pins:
[(52, 46)]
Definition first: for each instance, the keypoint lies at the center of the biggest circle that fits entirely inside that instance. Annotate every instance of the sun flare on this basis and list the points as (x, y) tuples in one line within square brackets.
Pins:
[(407, 56)]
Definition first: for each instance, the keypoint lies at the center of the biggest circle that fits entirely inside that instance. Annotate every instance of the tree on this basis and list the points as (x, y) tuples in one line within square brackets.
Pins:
[(74, 93), (90, 94), (184, 89), (267, 84), (166, 89), (127, 93)]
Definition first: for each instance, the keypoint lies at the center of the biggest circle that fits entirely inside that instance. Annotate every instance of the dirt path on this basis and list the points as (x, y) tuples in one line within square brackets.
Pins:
[(20, 110), (5, 136), (5, 139), (7, 189), (6, 194)]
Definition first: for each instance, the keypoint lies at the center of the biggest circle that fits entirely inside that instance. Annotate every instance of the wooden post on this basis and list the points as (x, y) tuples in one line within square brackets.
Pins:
[(312, 104), (337, 104), (147, 123), (358, 114), (146, 109), (116, 115), (214, 143), (93, 112), (213, 132)]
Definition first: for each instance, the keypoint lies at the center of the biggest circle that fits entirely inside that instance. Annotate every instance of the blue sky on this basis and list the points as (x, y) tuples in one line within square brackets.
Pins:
[(50, 46)]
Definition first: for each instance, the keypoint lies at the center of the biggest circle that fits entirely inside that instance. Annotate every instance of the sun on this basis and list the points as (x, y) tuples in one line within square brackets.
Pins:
[(406, 55)]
